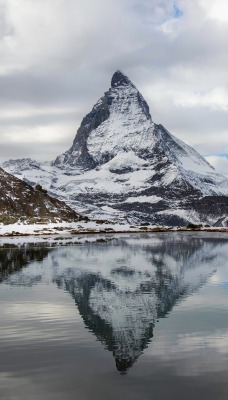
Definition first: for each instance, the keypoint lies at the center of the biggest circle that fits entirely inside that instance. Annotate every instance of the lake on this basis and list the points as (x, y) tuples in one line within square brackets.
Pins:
[(140, 316)]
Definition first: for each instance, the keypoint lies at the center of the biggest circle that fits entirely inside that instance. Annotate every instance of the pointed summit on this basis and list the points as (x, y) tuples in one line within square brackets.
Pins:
[(120, 121), (120, 79)]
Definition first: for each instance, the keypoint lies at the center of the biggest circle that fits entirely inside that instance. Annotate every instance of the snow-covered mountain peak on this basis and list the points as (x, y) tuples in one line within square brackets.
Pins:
[(128, 128), (120, 79), (123, 165), (120, 121)]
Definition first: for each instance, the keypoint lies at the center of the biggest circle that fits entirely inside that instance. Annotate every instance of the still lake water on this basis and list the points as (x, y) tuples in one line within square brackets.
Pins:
[(137, 317)]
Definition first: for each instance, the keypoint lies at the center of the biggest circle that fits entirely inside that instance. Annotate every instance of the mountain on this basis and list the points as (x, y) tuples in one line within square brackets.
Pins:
[(21, 202), (122, 165)]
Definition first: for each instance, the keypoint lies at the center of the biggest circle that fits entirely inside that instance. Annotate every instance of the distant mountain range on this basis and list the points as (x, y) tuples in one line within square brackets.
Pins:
[(123, 166)]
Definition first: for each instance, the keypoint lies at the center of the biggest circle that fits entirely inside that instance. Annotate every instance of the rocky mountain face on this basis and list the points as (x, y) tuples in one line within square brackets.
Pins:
[(122, 165), (21, 202)]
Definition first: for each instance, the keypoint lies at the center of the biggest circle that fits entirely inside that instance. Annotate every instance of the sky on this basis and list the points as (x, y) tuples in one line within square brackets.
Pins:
[(58, 57)]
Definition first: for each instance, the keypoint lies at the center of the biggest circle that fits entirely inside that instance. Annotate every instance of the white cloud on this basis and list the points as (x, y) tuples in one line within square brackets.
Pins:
[(216, 98), (217, 10), (220, 163)]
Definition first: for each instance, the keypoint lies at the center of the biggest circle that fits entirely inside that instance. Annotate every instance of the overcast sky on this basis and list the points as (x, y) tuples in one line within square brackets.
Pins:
[(58, 56)]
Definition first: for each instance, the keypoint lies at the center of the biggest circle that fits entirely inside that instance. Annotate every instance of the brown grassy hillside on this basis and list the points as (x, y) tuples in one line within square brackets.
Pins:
[(19, 201)]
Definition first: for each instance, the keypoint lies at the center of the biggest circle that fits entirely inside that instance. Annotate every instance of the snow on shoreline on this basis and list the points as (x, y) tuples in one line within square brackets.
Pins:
[(65, 228), (68, 229)]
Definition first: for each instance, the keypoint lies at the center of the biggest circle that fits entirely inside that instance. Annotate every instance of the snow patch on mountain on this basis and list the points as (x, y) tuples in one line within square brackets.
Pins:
[(143, 199), (123, 161)]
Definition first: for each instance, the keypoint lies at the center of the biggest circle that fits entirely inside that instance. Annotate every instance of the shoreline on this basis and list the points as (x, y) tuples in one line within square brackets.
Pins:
[(70, 229)]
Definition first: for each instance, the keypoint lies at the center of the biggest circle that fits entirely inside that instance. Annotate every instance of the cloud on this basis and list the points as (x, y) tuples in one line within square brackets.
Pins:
[(216, 10), (58, 56), (220, 163)]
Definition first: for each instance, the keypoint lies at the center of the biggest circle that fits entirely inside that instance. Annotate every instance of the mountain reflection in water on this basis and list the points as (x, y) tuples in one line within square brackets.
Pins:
[(121, 288), (14, 258)]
